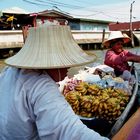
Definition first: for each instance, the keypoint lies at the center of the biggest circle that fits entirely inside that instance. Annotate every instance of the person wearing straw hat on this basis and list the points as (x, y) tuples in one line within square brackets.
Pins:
[(116, 56), (31, 105)]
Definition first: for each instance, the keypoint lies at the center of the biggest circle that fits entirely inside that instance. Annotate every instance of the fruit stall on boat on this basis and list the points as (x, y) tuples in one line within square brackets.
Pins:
[(100, 99)]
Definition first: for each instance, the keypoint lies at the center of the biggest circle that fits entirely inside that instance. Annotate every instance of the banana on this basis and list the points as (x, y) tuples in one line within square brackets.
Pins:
[(96, 102), (100, 105), (118, 107), (105, 106), (94, 109)]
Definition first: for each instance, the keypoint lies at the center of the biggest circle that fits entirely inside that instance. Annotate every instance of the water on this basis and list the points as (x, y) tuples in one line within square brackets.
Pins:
[(100, 57)]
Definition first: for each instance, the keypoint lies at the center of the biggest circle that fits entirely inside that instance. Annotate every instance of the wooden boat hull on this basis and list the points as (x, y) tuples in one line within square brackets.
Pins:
[(126, 131)]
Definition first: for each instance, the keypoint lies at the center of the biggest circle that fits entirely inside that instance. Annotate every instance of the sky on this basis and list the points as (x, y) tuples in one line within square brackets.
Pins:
[(110, 10)]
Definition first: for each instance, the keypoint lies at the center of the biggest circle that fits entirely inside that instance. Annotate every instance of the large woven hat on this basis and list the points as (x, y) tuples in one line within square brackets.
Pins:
[(48, 47), (116, 35)]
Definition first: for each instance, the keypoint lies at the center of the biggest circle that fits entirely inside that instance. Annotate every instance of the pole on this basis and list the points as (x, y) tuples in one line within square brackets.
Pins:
[(103, 38), (131, 28)]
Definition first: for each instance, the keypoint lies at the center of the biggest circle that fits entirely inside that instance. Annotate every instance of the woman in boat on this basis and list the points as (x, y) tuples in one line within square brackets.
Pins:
[(31, 105), (116, 56)]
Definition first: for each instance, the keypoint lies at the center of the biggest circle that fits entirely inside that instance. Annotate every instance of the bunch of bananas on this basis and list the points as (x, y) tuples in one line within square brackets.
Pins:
[(73, 98), (91, 100), (94, 89), (82, 87), (86, 102)]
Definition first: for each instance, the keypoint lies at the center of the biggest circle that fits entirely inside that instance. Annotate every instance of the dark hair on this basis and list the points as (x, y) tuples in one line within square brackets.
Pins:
[(115, 41)]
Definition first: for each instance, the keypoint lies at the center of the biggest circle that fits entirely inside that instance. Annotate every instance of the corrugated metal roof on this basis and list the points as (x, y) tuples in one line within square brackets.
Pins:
[(124, 26)]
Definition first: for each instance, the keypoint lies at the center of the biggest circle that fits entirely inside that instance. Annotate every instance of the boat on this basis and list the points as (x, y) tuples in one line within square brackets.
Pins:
[(110, 128), (127, 112), (130, 130)]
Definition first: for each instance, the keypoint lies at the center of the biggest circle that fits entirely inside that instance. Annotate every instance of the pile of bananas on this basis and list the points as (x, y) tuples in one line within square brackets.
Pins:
[(91, 100)]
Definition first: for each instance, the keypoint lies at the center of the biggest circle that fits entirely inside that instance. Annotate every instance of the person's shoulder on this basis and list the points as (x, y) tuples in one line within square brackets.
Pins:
[(110, 51), (36, 75), (8, 69)]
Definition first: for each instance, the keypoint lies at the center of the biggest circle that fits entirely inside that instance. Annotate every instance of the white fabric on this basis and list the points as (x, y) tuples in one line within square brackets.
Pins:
[(32, 108)]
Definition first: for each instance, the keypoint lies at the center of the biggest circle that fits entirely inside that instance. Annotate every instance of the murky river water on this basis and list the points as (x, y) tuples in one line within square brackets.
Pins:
[(100, 56)]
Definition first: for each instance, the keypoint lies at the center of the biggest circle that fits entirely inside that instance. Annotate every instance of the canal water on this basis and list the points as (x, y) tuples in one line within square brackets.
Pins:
[(100, 56)]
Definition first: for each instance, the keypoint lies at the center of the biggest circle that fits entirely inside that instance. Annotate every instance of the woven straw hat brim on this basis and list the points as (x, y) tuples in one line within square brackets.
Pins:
[(49, 47), (116, 35), (125, 40)]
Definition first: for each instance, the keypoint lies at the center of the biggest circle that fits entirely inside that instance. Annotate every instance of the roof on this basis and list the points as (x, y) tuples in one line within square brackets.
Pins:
[(94, 20), (124, 26), (52, 13), (15, 10)]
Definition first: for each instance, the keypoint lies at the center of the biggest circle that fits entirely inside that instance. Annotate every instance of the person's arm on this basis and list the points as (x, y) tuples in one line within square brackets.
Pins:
[(134, 58), (131, 57), (55, 119)]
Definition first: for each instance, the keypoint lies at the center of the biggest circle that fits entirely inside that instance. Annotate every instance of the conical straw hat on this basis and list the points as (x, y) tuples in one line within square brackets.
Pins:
[(49, 47), (116, 35)]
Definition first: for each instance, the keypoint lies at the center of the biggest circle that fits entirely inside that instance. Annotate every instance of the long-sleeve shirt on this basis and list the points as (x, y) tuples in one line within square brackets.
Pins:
[(32, 108), (118, 61)]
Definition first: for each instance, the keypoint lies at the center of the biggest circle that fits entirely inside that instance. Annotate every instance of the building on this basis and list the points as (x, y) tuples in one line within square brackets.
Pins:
[(124, 26), (87, 32), (88, 24), (13, 18)]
